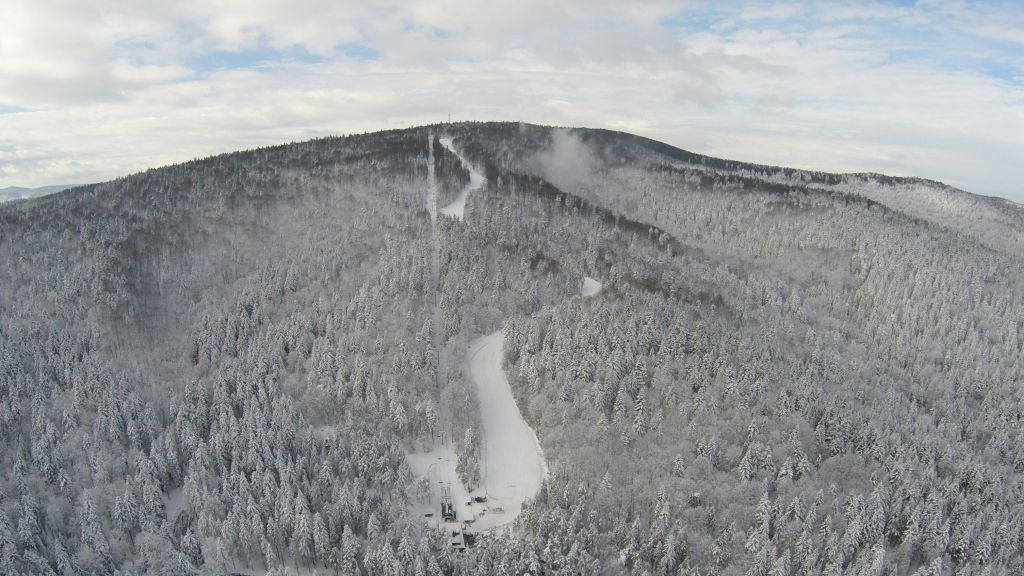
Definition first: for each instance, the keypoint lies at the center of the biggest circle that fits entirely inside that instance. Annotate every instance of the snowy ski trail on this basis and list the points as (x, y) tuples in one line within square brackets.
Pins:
[(457, 208), (512, 463)]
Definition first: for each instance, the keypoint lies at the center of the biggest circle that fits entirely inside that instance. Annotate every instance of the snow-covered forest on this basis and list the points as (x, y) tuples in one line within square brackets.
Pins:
[(230, 365)]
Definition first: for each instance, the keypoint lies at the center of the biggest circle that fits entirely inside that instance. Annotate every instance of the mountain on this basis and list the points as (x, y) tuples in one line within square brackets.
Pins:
[(18, 193), (597, 353)]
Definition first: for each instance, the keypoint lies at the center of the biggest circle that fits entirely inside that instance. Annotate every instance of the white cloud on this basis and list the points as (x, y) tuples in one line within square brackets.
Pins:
[(857, 86)]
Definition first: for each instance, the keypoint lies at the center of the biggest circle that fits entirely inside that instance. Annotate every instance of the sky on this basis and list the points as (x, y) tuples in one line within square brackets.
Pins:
[(94, 90)]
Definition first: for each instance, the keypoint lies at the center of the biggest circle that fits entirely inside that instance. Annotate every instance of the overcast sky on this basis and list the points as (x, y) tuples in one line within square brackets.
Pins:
[(93, 90)]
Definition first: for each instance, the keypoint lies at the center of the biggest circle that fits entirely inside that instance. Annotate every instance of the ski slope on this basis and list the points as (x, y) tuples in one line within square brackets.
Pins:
[(512, 463), (457, 208)]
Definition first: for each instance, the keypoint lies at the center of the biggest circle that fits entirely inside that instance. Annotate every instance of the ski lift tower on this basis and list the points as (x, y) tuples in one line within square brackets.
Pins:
[(447, 508)]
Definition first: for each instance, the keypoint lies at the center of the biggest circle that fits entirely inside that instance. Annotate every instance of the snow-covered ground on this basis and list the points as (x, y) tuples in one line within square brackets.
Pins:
[(512, 463), (590, 287), (438, 467), (174, 503), (457, 208)]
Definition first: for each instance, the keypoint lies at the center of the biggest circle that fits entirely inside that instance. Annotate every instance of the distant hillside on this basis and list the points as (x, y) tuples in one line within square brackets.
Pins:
[(997, 222), (261, 362), (17, 192)]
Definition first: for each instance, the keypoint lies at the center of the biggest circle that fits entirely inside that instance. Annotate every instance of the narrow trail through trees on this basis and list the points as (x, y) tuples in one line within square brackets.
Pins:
[(457, 208)]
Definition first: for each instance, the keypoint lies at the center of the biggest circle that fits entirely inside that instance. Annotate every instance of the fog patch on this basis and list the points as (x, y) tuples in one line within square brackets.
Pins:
[(568, 162)]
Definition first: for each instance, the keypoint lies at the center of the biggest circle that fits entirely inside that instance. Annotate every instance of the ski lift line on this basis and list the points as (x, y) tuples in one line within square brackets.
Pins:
[(500, 509), (436, 275)]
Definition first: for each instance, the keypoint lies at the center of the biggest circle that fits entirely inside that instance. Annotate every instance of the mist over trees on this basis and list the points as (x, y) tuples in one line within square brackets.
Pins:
[(220, 366)]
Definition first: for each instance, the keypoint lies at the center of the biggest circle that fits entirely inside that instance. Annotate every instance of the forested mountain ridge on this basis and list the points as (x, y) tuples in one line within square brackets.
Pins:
[(19, 192), (221, 366), (995, 221)]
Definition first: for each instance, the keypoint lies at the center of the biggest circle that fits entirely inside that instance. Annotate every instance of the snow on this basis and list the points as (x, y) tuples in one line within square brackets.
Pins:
[(590, 287), (174, 504), (432, 198), (324, 432), (438, 466), (457, 208), (512, 463)]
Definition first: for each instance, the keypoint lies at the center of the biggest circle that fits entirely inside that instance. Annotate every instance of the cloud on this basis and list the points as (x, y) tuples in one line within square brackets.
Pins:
[(933, 89), (567, 162)]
